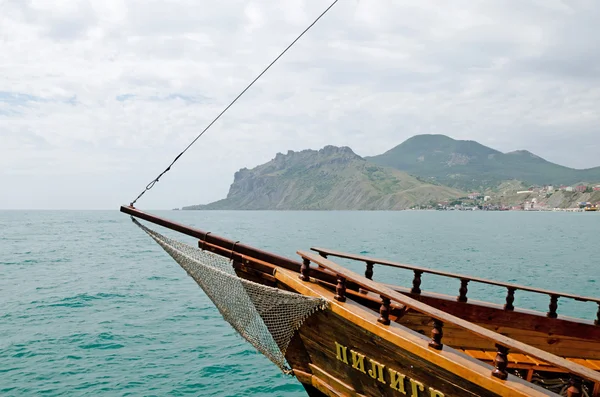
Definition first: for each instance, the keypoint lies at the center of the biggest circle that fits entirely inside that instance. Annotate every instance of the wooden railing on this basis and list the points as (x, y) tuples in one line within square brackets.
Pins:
[(345, 277), (439, 317), (210, 238), (464, 281)]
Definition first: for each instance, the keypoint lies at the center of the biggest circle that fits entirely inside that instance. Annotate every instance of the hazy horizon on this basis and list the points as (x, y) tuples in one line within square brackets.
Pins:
[(98, 97)]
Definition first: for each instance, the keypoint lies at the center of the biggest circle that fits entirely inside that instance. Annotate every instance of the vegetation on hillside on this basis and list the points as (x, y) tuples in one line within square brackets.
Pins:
[(469, 165), (332, 178), (422, 171)]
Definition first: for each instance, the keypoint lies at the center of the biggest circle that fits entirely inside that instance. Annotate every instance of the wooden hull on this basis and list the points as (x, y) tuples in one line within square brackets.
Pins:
[(345, 351), (371, 366), (565, 337)]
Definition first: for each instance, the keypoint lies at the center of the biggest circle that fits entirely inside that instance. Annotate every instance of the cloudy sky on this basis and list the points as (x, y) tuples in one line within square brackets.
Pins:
[(98, 96)]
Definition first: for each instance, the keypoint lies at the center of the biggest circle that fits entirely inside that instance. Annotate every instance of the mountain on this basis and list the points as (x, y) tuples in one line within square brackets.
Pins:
[(471, 165), (333, 178)]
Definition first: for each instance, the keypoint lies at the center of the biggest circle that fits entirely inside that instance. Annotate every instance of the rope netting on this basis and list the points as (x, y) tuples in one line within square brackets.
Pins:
[(266, 317)]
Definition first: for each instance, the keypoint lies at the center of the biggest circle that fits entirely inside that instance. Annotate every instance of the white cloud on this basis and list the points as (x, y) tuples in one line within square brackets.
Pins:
[(99, 96)]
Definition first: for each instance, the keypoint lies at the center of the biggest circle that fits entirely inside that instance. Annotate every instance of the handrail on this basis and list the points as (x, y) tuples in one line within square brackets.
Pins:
[(503, 343), (554, 295), (223, 246), (210, 238)]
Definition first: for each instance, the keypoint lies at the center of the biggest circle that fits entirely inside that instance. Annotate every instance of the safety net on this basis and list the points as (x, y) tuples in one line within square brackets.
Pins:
[(266, 317)]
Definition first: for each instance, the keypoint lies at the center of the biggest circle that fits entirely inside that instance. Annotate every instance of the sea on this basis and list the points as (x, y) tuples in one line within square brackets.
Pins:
[(90, 305)]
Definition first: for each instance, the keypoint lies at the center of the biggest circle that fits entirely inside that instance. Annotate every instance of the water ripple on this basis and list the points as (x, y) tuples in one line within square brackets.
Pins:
[(103, 311)]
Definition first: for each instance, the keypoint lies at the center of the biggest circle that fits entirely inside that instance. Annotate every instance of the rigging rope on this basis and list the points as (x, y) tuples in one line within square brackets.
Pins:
[(153, 182)]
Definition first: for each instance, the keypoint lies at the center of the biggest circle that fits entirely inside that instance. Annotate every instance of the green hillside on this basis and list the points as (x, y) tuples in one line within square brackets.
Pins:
[(333, 178), (470, 165)]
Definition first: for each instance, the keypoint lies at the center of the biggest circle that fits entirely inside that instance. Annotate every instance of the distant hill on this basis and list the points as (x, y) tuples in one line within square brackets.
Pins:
[(471, 165), (333, 178), (554, 199)]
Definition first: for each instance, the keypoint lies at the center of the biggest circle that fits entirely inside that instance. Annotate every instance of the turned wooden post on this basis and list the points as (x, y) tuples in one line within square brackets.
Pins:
[(417, 282), (597, 320), (369, 271), (436, 335), (340, 289), (510, 298), (574, 389), (501, 362), (384, 311), (369, 275), (596, 391), (553, 306), (305, 270), (462, 297)]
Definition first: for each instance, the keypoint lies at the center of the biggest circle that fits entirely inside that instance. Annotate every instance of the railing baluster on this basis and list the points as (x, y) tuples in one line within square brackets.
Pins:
[(464, 280), (369, 271), (502, 343), (305, 270), (436, 335), (462, 297), (340, 289), (510, 298), (417, 282), (553, 306), (384, 311), (574, 389), (501, 362), (369, 275)]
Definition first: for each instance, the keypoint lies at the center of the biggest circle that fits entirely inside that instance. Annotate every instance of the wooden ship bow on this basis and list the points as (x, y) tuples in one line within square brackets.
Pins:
[(344, 334)]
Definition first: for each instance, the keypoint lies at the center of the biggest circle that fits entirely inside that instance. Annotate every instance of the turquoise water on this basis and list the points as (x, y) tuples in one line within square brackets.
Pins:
[(90, 305)]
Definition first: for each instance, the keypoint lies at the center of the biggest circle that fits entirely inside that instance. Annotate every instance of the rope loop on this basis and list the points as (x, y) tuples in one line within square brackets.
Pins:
[(204, 240), (233, 250)]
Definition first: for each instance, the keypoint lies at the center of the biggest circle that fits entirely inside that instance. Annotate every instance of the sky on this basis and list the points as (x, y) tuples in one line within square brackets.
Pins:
[(98, 96)]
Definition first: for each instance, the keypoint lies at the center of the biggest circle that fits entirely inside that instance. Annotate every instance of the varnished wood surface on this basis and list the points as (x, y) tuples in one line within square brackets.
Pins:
[(483, 312), (214, 239), (333, 382), (486, 314), (314, 386), (323, 329), (263, 260), (299, 359), (563, 337), (270, 263), (358, 325), (490, 313), (517, 360), (551, 335), (449, 319), (319, 383), (384, 262), (458, 337), (264, 265)]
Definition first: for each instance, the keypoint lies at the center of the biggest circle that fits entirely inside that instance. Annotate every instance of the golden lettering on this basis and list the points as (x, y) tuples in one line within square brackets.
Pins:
[(397, 381), (414, 385), (435, 393), (376, 371), (341, 353), (358, 361)]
